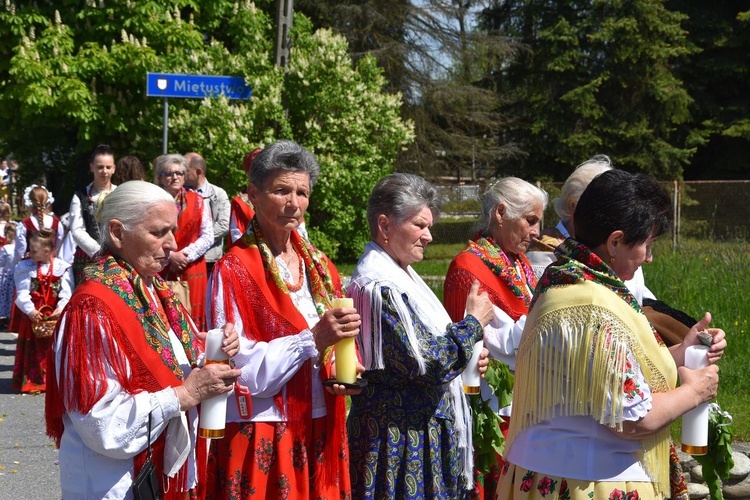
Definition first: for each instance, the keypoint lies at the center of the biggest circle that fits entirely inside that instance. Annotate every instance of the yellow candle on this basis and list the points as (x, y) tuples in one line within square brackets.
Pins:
[(346, 354)]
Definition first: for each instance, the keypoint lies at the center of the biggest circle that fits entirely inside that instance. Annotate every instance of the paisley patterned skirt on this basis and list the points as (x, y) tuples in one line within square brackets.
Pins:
[(404, 455)]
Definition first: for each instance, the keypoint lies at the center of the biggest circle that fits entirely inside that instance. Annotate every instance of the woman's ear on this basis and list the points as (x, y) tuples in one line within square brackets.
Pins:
[(614, 242), (499, 212), (252, 192), (383, 226), (115, 233)]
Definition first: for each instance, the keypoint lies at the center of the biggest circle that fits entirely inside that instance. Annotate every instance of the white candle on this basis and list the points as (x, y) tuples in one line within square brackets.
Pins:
[(346, 354), (695, 422), (214, 410), (470, 376)]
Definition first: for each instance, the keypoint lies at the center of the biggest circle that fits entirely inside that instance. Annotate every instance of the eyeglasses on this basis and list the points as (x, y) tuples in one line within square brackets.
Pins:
[(178, 173)]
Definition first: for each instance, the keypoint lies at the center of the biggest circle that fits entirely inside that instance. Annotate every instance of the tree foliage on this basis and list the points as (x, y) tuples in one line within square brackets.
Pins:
[(596, 76), (718, 79), (75, 75), (431, 52)]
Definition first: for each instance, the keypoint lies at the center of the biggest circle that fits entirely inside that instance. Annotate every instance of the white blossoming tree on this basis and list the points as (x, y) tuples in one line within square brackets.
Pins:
[(72, 77)]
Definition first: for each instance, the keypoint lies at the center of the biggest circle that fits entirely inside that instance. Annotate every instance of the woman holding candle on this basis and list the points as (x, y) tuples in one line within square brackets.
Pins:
[(511, 213), (409, 431), (292, 442), (125, 358), (595, 388), (194, 235)]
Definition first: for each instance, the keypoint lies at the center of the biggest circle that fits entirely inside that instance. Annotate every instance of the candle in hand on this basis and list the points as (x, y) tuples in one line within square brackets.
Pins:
[(470, 376), (695, 422), (346, 354), (214, 410)]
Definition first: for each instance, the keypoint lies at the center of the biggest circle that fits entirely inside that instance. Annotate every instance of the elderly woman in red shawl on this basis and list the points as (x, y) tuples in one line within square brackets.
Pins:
[(291, 442), (511, 214), (194, 235), (123, 365)]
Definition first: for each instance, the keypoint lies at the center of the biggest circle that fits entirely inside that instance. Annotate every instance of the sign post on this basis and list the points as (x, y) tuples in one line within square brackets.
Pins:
[(167, 85)]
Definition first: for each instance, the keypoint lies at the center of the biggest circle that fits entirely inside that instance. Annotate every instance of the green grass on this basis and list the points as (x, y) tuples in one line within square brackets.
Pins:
[(700, 276), (712, 276)]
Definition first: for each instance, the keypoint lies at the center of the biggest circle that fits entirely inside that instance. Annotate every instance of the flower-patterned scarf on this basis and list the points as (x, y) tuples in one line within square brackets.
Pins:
[(490, 253), (116, 274)]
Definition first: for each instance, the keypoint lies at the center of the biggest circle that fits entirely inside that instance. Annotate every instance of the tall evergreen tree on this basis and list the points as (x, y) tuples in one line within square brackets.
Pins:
[(595, 76), (718, 79)]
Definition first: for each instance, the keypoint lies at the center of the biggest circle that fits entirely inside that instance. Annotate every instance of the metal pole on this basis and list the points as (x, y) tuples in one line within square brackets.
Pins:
[(165, 126), (284, 15)]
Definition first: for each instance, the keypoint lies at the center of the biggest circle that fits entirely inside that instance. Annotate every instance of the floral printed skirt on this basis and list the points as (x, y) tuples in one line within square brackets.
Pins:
[(517, 483), (264, 460)]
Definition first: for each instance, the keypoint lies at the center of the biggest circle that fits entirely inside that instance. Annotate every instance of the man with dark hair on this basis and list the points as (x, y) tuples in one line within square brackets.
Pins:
[(217, 199)]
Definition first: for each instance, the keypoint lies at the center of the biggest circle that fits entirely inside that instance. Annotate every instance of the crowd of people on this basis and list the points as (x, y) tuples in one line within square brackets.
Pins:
[(144, 269)]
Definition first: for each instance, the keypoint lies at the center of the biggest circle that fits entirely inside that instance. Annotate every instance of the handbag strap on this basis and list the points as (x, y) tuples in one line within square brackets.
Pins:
[(148, 455)]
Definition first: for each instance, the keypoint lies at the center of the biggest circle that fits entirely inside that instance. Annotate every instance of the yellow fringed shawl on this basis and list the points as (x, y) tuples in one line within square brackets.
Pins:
[(573, 354)]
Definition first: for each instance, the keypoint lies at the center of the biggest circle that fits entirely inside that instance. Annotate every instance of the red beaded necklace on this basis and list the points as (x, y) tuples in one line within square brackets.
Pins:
[(298, 286)]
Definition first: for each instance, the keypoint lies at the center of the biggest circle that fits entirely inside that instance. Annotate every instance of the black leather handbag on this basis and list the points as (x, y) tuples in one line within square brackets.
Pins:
[(146, 484)]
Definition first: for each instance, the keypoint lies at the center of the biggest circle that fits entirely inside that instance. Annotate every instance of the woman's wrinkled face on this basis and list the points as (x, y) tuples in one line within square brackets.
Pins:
[(280, 205), (172, 178), (102, 167), (514, 235), (407, 240), (147, 245), (628, 258)]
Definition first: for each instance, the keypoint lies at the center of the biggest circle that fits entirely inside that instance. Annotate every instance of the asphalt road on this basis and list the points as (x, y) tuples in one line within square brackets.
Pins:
[(28, 458)]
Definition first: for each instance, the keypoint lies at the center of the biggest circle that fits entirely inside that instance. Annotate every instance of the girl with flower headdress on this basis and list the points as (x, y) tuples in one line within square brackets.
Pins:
[(44, 285), (37, 199)]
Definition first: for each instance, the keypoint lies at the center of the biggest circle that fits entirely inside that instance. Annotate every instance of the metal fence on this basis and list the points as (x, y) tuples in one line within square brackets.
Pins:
[(715, 210)]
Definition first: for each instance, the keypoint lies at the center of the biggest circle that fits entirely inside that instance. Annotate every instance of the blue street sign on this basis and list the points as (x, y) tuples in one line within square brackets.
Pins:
[(196, 86)]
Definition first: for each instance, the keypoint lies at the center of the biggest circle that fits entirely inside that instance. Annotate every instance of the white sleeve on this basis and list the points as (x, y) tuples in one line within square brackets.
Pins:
[(117, 425), (234, 231), (201, 245), (266, 366), (23, 292), (503, 335), (66, 288), (78, 229), (20, 250)]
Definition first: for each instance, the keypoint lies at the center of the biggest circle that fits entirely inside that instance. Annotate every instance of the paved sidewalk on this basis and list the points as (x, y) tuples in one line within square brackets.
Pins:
[(28, 458)]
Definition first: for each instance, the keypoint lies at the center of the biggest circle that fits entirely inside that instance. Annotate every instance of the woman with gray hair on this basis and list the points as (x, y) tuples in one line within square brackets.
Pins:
[(511, 213), (194, 235), (124, 387), (289, 441), (410, 430), (541, 251)]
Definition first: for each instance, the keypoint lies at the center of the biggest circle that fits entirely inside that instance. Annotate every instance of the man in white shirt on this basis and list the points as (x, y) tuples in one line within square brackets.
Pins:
[(217, 199)]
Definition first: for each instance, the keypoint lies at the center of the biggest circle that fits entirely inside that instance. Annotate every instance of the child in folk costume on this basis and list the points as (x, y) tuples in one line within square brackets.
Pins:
[(37, 200), (6, 272), (44, 285)]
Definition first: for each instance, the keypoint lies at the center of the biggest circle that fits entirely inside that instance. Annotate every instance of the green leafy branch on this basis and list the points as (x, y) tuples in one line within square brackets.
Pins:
[(718, 461), (488, 439)]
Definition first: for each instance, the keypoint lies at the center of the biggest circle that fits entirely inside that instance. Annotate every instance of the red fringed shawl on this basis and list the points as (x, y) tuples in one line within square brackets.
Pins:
[(138, 335), (267, 312), (505, 291)]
